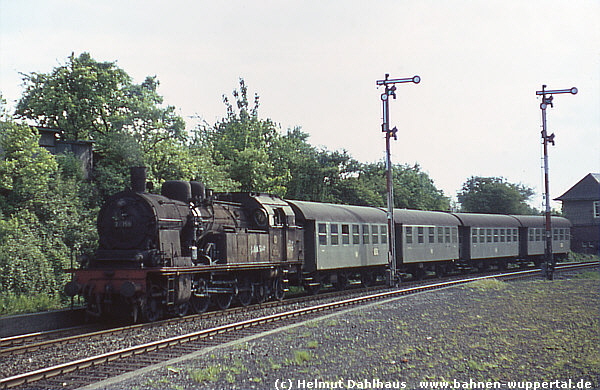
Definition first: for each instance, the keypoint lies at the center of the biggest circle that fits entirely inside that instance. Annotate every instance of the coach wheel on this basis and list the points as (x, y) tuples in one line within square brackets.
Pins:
[(342, 282), (440, 270), (419, 273), (199, 304), (261, 293), (223, 301), (245, 293), (367, 279), (278, 289)]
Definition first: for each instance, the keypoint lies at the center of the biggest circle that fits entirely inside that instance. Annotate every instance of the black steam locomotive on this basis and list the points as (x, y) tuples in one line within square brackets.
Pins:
[(188, 247), (164, 254)]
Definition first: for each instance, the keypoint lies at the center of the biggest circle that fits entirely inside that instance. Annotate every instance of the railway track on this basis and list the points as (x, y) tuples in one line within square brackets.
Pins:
[(77, 373)]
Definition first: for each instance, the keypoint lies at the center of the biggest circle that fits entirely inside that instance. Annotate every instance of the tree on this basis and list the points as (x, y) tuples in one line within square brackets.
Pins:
[(87, 99), (494, 195), (83, 98), (243, 144), (25, 167)]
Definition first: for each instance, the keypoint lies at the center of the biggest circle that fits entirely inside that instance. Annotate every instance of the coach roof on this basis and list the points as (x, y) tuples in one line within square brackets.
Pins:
[(338, 213), (540, 221), (420, 217), (487, 220)]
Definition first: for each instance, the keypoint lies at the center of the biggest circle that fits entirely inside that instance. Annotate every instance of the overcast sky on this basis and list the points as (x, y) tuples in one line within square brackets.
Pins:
[(315, 65)]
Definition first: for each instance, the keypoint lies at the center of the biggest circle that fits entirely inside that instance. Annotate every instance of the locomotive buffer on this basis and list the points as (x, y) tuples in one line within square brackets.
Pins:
[(390, 90)]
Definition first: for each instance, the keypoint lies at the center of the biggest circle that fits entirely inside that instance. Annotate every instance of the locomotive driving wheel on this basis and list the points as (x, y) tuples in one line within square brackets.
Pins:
[(223, 301), (152, 307), (245, 292), (278, 289), (199, 304)]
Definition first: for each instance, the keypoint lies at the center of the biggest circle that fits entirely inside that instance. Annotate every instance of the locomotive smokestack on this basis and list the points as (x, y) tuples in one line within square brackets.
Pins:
[(138, 179)]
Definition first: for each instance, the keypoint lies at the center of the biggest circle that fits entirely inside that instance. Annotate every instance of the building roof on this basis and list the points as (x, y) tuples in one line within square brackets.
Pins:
[(587, 188)]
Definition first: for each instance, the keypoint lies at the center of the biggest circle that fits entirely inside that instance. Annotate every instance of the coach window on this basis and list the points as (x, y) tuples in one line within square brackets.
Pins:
[(481, 236), (334, 234), (508, 235), (355, 234), (516, 235), (567, 234), (538, 234), (555, 234), (383, 232), (496, 238), (474, 235), (488, 235), (346, 234), (409, 234), (375, 234), (366, 234), (420, 235), (454, 235), (440, 234), (322, 234), (502, 235), (448, 239)]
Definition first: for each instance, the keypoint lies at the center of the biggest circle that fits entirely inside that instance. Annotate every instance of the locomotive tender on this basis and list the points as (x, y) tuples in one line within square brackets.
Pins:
[(187, 248)]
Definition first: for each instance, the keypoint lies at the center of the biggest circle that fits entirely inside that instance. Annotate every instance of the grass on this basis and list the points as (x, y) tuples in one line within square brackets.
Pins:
[(20, 304)]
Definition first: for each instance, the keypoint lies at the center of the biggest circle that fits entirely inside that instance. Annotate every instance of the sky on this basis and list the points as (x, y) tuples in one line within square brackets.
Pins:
[(315, 64)]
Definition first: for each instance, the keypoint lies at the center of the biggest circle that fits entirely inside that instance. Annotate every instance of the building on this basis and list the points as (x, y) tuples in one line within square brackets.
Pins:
[(581, 205), (81, 149)]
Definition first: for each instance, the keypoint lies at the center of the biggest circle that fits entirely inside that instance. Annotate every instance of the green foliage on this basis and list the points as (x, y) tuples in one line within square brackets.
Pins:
[(11, 304), (82, 98), (494, 195), (246, 146), (25, 168), (24, 267)]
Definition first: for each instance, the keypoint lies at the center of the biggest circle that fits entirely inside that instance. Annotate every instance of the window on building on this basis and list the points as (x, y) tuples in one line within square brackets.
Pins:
[(334, 236), (322, 234), (597, 209)]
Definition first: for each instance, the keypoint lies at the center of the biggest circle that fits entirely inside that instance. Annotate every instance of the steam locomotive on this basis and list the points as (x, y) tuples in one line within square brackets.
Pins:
[(188, 248)]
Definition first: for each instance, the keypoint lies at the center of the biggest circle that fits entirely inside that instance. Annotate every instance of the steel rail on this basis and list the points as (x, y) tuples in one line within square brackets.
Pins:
[(65, 368)]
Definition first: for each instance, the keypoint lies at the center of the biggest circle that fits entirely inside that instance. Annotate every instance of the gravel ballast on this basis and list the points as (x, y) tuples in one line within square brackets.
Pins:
[(530, 334)]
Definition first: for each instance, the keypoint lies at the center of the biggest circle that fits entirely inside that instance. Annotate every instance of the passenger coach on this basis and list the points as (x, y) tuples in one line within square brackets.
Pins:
[(342, 243), (487, 239), (532, 232), (425, 241)]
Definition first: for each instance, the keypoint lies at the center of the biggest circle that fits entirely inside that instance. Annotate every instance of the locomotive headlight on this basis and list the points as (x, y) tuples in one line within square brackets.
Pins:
[(139, 257)]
